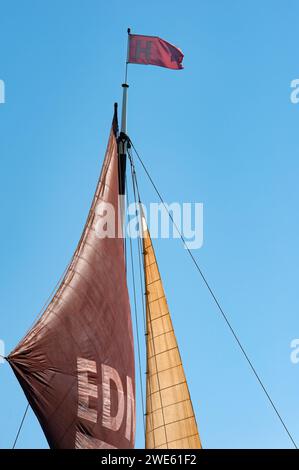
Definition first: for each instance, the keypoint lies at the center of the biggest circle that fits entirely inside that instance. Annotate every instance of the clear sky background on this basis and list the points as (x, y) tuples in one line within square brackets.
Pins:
[(222, 131)]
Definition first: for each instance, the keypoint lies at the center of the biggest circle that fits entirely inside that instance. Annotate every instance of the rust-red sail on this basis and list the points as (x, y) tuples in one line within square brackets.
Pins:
[(76, 365)]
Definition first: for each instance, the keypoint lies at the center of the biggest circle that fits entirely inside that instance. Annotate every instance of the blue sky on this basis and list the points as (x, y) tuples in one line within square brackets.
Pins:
[(222, 131)]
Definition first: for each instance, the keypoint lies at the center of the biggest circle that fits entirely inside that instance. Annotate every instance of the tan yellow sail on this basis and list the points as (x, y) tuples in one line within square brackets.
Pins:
[(170, 419)]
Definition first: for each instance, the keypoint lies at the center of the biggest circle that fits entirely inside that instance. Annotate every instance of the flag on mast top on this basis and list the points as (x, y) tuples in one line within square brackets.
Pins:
[(152, 50)]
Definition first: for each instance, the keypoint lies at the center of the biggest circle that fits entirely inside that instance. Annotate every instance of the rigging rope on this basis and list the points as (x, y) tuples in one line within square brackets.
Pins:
[(136, 318), (140, 249), (21, 425), (215, 299)]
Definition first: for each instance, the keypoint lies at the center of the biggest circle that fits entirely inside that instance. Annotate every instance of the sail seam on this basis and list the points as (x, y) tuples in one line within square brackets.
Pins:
[(171, 386), (155, 300), (165, 350), (174, 440), (171, 404), (164, 370), (189, 418), (165, 332)]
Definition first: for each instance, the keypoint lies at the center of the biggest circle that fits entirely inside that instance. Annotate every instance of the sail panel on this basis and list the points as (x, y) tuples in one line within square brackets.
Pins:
[(170, 419), (76, 365)]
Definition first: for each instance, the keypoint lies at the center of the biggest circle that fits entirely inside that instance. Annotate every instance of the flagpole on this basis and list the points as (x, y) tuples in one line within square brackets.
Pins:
[(125, 87), (123, 140)]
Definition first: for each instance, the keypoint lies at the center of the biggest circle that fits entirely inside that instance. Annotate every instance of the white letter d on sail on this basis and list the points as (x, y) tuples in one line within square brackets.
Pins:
[(112, 422)]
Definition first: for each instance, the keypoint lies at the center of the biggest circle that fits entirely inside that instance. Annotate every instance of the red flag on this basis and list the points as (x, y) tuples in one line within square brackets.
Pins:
[(151, 50)]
